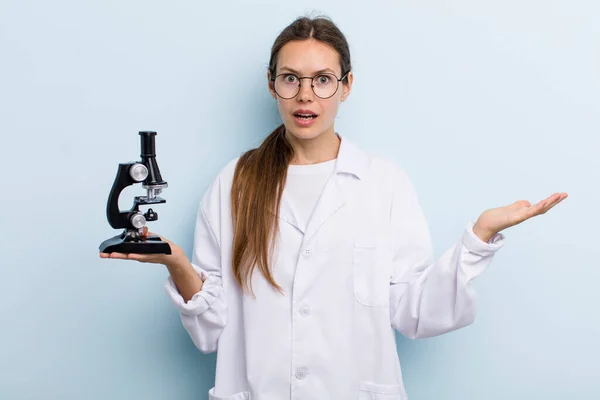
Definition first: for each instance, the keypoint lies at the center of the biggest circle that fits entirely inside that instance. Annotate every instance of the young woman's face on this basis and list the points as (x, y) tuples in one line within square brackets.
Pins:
[(308, 58)]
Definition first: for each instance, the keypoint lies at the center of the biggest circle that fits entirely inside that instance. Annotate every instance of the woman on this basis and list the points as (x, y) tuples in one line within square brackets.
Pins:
[(342, 248)]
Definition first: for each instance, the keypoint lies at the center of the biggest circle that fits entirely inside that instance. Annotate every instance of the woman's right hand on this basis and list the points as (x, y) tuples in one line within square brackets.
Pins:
[(166, 259)]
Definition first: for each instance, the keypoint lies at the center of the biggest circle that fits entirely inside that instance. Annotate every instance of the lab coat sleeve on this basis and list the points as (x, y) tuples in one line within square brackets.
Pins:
[(430, 297), (204, 316)]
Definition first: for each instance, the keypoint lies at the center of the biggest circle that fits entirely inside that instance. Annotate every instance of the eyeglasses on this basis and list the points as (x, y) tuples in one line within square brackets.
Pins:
[(324, 85)]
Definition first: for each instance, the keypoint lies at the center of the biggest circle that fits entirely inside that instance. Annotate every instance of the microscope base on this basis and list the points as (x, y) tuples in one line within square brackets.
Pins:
[(152, 245)]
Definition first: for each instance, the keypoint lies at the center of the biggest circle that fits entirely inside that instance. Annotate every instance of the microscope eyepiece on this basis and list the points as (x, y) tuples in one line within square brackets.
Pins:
[(148, 145), (148, 154)]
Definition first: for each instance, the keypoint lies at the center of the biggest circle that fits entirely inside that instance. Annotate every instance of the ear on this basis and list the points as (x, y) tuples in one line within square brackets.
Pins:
[(347, 86), (270, 85)]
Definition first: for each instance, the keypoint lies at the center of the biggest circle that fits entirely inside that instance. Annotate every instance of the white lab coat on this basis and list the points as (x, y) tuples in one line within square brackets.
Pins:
[(363, 266)]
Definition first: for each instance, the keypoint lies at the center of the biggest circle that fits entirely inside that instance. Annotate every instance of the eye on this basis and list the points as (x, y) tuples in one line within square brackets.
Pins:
[(289, 78), (323, 79)]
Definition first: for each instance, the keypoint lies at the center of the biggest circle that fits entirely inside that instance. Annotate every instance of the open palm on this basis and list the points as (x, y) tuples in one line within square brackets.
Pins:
[(176, 252), (496, 219)]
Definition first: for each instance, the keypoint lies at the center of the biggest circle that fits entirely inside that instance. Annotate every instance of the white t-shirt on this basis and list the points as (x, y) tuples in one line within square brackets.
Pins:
[(304, 185)]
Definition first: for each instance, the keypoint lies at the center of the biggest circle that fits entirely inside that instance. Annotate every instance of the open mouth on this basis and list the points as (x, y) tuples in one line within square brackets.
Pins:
[(306, 117)]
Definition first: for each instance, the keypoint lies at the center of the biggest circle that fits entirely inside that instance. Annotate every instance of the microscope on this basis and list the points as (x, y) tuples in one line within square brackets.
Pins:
[(132, 238)]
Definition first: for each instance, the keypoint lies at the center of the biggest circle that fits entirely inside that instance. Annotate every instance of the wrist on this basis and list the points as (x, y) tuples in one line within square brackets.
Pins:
[(177, 262), (484, 234), (186, 279)]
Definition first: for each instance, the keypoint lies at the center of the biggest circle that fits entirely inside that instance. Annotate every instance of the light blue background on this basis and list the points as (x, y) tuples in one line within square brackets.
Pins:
[(483, 103)]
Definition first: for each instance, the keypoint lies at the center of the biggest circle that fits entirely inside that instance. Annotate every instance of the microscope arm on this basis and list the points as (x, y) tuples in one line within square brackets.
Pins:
[(116, 218)]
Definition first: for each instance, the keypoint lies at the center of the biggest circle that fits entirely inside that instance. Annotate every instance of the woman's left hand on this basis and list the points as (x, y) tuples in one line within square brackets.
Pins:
[(496, 219)]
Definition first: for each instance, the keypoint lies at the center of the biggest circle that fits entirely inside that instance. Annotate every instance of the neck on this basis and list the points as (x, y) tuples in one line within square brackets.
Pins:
[(323, 148)]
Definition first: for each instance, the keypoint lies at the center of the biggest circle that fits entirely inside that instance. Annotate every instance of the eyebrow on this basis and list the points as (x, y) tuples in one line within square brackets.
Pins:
[(317, 72)]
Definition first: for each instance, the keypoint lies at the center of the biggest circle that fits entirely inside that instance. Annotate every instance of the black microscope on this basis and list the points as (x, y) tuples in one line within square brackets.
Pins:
[(132, 239)]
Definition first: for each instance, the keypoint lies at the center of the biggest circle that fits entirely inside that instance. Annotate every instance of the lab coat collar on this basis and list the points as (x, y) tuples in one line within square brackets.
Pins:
[(351, 159)]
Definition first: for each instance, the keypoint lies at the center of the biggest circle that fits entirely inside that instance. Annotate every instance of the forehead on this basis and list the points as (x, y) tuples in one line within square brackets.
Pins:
[(308, 56)]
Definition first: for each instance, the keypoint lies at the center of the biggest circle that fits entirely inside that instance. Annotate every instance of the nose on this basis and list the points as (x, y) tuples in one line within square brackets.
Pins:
[(306, 91)]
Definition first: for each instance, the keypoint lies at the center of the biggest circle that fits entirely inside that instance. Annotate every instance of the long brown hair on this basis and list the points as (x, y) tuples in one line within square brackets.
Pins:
[(261, 173)]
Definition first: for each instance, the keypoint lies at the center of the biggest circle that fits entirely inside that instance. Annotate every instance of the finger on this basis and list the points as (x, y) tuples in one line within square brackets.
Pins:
[(110, 255), (137, 257), (544, 205), (557, 199), (118, 255), (161, 238), (563, 196), (145, 258), (552, 198), (150, 233), (527, 210)]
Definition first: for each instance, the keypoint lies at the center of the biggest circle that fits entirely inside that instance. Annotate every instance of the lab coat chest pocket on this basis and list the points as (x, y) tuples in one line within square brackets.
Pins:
[(372, 270)]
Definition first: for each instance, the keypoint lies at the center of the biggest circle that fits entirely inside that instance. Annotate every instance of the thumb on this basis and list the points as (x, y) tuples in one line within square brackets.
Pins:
[(521, 203), (148, 233)]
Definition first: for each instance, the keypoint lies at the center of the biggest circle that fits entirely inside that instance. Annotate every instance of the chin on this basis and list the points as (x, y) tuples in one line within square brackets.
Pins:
[(305, 133)]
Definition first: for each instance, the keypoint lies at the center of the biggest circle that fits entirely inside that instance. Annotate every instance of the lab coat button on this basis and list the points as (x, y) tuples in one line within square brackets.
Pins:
[(306, 252), (301, 373), (305, 311)]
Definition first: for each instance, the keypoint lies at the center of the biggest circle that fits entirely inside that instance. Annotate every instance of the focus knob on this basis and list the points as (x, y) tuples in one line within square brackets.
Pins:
[(138, 172), (138, 220)]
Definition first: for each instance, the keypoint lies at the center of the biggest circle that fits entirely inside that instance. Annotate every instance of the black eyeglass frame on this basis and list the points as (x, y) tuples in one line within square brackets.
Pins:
[(311, 83)]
